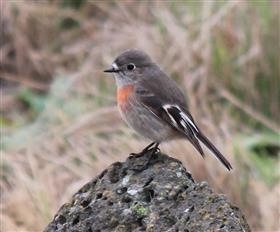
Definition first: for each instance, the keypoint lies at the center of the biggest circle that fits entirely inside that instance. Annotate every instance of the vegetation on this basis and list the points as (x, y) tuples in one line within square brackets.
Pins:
[(60, 126)]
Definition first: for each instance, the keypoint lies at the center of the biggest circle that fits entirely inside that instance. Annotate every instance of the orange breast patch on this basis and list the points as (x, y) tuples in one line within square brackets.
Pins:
[(124, 93)]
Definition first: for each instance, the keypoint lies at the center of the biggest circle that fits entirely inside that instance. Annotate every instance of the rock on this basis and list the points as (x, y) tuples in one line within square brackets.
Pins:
[(162, 197)]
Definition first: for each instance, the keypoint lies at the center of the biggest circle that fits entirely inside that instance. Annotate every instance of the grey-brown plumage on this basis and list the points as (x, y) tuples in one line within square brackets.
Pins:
[(153, 104)]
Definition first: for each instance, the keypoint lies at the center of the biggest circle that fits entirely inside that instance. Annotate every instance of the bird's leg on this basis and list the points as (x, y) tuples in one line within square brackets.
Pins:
[(155, 149), (148, 147), (145, 150), (152, 149)]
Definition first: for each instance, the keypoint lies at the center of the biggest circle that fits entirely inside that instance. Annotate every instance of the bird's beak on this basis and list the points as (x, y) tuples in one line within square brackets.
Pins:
[(113, 69)]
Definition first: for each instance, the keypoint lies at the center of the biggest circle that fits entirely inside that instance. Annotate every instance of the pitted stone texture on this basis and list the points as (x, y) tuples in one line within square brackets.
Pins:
[(162, 197)]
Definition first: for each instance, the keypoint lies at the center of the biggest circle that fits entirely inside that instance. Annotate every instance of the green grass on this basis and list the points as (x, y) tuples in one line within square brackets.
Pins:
[(263, 152)]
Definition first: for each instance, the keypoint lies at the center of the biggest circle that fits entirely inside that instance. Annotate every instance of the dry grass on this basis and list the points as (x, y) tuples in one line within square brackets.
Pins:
[(212, 48)]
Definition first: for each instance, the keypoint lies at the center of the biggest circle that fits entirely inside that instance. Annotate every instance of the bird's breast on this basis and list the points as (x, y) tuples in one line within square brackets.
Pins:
[(123, 95)]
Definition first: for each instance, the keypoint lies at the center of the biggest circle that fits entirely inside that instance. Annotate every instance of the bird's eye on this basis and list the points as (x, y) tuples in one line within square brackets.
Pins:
[(130, 66)]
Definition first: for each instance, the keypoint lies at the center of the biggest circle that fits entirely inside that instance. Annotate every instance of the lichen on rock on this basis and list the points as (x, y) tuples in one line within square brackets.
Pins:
[(162, 197)]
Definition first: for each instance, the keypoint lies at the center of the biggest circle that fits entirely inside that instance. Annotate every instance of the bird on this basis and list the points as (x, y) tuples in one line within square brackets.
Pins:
[(153, 104)]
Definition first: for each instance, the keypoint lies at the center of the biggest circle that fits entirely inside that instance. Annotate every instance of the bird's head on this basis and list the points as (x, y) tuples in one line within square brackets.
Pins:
[(129, 67)]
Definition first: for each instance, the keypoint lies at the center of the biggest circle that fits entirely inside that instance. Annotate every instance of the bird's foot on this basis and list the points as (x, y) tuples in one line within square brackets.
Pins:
[(151, 147), (149, 153)]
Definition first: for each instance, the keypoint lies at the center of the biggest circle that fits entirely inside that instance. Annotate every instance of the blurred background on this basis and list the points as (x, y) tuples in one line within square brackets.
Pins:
[(59, 122)]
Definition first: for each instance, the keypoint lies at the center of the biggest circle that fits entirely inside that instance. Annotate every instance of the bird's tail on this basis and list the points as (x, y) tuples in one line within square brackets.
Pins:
[(183, 121), (214, 150)]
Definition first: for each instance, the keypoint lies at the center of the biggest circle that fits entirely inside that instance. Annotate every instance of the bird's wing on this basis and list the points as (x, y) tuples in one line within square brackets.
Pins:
[(180, 119)]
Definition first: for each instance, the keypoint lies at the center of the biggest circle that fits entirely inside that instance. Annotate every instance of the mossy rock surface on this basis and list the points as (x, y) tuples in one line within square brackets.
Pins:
[(162, 197)]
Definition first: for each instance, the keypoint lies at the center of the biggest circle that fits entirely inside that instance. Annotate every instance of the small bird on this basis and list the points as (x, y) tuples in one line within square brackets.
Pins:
[(153, 105)]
